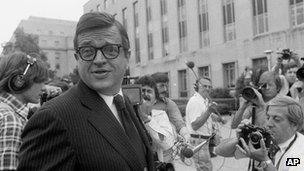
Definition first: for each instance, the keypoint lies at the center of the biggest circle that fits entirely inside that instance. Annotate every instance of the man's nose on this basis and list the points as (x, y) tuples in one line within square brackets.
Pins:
[(100, 57)]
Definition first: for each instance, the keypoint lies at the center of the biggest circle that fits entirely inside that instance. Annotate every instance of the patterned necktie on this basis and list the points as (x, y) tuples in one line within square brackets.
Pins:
[(129, 128)]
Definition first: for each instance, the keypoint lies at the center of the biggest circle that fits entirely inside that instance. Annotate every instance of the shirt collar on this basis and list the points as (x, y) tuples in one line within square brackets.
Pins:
[(19, 107), (200, 96), (285, 144), (109, 99)]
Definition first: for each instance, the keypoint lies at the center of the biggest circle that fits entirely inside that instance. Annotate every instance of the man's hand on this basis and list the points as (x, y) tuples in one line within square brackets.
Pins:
[(260, 154), (241, 126), (144, 112), (52, 91), (259, 100)]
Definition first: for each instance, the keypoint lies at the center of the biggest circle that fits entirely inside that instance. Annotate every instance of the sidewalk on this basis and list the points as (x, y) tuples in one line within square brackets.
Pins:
[(221, 163)]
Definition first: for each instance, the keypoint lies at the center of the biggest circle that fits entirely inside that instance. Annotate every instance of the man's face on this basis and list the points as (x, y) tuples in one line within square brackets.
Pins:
[(148, 94), (101, 74), (291, 75), (32, 95), (268, 86), (162, 88), (278, 123)]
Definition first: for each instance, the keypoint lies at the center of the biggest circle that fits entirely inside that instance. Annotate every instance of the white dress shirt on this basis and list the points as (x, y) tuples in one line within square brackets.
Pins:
[(295, 151), (111, 105), (196, 106)]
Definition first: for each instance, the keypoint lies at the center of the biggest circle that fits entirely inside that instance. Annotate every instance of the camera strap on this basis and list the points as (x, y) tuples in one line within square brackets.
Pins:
[(289, 146)]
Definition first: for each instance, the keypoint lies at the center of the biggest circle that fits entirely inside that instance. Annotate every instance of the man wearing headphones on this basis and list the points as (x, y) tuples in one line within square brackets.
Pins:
[(22, 78)]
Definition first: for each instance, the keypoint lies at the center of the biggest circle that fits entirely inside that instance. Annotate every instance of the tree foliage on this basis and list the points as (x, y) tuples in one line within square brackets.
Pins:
[(27, 43)]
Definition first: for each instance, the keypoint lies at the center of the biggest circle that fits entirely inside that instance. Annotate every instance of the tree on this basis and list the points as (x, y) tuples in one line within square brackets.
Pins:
[(27, 43)]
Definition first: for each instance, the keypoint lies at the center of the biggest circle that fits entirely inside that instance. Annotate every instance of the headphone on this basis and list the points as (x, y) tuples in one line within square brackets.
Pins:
[(17, 81)]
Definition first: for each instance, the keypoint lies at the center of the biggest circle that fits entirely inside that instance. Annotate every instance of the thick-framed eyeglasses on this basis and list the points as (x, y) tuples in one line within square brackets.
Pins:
[(88, 53)]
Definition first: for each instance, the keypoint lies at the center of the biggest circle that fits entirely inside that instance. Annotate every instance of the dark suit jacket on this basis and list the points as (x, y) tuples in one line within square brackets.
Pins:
[(77, 131)]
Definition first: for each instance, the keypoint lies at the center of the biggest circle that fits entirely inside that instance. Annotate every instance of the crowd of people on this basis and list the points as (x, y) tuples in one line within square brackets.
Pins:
[(93, 125)]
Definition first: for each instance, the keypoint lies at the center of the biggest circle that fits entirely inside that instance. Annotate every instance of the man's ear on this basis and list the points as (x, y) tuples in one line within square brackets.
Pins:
[(76, 56)]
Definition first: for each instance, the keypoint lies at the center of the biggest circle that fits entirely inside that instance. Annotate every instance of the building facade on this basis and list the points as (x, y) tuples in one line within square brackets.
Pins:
[(55, 40), (221, 37)]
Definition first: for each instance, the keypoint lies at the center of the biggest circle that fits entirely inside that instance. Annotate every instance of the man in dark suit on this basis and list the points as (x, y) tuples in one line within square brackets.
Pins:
[(90, 127)]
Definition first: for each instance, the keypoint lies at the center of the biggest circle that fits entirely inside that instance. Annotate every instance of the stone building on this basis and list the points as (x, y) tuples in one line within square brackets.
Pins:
[(221, 37), (55, 39)]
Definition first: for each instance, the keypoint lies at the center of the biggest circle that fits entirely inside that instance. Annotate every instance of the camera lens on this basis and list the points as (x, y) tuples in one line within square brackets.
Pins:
[(255, 137), (248, 93)]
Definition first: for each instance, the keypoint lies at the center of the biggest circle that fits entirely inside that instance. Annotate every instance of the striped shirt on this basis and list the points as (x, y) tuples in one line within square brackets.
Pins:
[(13, 117)]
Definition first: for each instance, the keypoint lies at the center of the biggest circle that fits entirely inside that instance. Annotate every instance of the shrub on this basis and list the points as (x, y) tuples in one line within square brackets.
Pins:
[(220, 93)]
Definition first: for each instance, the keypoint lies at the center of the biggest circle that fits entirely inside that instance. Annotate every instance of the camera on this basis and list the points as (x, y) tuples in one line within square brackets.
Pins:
[(249, 94), (255, 134), (286, 54), (300, 72), (163, 166)]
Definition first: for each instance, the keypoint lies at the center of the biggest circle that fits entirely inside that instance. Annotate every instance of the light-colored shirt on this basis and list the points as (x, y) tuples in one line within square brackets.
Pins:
[(109, 101), (295, 151), (197, 106)]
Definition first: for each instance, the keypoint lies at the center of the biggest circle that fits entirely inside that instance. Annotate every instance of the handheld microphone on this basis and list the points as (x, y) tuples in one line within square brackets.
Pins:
[(188, 152)]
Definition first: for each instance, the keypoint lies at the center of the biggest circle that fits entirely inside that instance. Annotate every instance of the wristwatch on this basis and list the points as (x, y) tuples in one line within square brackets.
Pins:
[(265, 164)]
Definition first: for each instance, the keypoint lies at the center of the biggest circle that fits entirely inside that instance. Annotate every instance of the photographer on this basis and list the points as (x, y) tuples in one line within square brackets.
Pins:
[(159, 114), (288, 62), (269, 85), (22, 79), (284, 119)]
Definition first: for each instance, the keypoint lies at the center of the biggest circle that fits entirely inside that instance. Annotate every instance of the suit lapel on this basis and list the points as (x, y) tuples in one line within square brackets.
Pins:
[(103, 120)]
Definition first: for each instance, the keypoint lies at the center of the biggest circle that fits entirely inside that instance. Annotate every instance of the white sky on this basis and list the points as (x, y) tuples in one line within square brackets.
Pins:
[(13, 11)]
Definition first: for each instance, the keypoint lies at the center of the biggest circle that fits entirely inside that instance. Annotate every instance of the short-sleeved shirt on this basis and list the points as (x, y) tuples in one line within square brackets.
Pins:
[(13, 117), (196, 106)]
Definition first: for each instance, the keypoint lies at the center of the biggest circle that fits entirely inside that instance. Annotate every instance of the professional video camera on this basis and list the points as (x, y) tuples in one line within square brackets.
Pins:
[(286, 53), (255, 134)]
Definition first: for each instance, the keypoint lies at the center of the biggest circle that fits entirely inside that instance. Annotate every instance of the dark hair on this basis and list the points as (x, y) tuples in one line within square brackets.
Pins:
[(148, 81), (160, 77), (286, 67), (100, 20), (16, 63)]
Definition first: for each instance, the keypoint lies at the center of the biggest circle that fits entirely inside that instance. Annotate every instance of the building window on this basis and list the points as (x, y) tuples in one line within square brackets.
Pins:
[(260, 17), (99, 8), (56, 43), (260, 63), (182, 83), (183, 35), (136, 30), (203, 23), (57, 66), (50, 32), (297, 12), (135, 7), (150, 46), (106, 4), (137, 50), (229, 20), (229, 74), (180, 3), (165, 39), (163, 7), (204, 71), (124, 18), (149, 12), (182, 25)]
